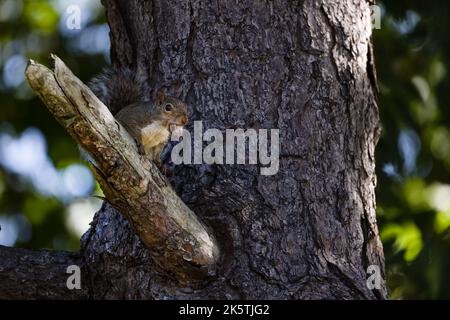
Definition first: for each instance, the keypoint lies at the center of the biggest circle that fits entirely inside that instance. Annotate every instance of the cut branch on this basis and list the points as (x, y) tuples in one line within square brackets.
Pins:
[(39, 274), (178, 241)]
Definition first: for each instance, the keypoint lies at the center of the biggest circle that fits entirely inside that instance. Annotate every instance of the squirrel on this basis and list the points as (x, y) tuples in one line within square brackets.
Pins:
[(149, 122)]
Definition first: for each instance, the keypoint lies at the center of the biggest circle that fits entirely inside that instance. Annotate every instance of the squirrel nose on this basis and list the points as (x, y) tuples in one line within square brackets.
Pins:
[(183, 120)]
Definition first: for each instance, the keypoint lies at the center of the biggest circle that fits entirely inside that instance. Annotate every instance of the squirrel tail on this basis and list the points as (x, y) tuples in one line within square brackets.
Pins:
[(118, 88)]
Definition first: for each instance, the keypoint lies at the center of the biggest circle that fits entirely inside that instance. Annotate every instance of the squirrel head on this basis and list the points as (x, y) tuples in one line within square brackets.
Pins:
[(173, 111)]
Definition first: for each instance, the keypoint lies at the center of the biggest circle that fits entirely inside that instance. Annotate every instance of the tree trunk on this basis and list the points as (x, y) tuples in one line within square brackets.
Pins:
[(304, 67)]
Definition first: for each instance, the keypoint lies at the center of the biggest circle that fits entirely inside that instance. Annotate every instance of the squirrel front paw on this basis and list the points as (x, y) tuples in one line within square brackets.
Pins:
[(141, 149), (163, 168), (160, 166)]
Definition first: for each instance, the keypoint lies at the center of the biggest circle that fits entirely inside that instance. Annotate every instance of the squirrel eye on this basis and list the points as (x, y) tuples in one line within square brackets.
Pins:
[(168, 107)]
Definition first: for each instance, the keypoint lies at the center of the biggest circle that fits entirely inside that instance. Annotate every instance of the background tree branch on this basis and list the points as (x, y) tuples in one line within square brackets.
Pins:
[(177, 240), (39, 274)]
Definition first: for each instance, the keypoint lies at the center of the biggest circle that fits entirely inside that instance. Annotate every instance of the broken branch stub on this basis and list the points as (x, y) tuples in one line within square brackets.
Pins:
[(178, 241)]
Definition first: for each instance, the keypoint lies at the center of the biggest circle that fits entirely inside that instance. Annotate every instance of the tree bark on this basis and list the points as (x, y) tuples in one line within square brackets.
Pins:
[(31, 274), (304, 67)]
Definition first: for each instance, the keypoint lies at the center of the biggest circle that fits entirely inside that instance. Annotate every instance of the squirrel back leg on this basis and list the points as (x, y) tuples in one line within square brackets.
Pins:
[(155, 155)]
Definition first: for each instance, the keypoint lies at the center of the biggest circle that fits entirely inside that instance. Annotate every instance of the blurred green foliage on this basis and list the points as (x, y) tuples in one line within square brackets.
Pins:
[(34, 29), (413, 156)]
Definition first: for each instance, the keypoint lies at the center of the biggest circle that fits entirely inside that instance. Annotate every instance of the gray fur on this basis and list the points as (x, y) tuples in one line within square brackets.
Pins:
[(118, 88)]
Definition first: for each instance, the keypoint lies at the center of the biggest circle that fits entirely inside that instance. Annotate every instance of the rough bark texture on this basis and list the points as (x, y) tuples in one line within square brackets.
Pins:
[(305, 67), (31, 274), (300, 66)]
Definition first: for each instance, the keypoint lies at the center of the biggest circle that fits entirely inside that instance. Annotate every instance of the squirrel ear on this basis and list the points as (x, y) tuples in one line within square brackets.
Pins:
[(160, 96)]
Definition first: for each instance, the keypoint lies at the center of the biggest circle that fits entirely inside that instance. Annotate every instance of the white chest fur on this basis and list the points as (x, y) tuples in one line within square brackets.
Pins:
[(154, 134)]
